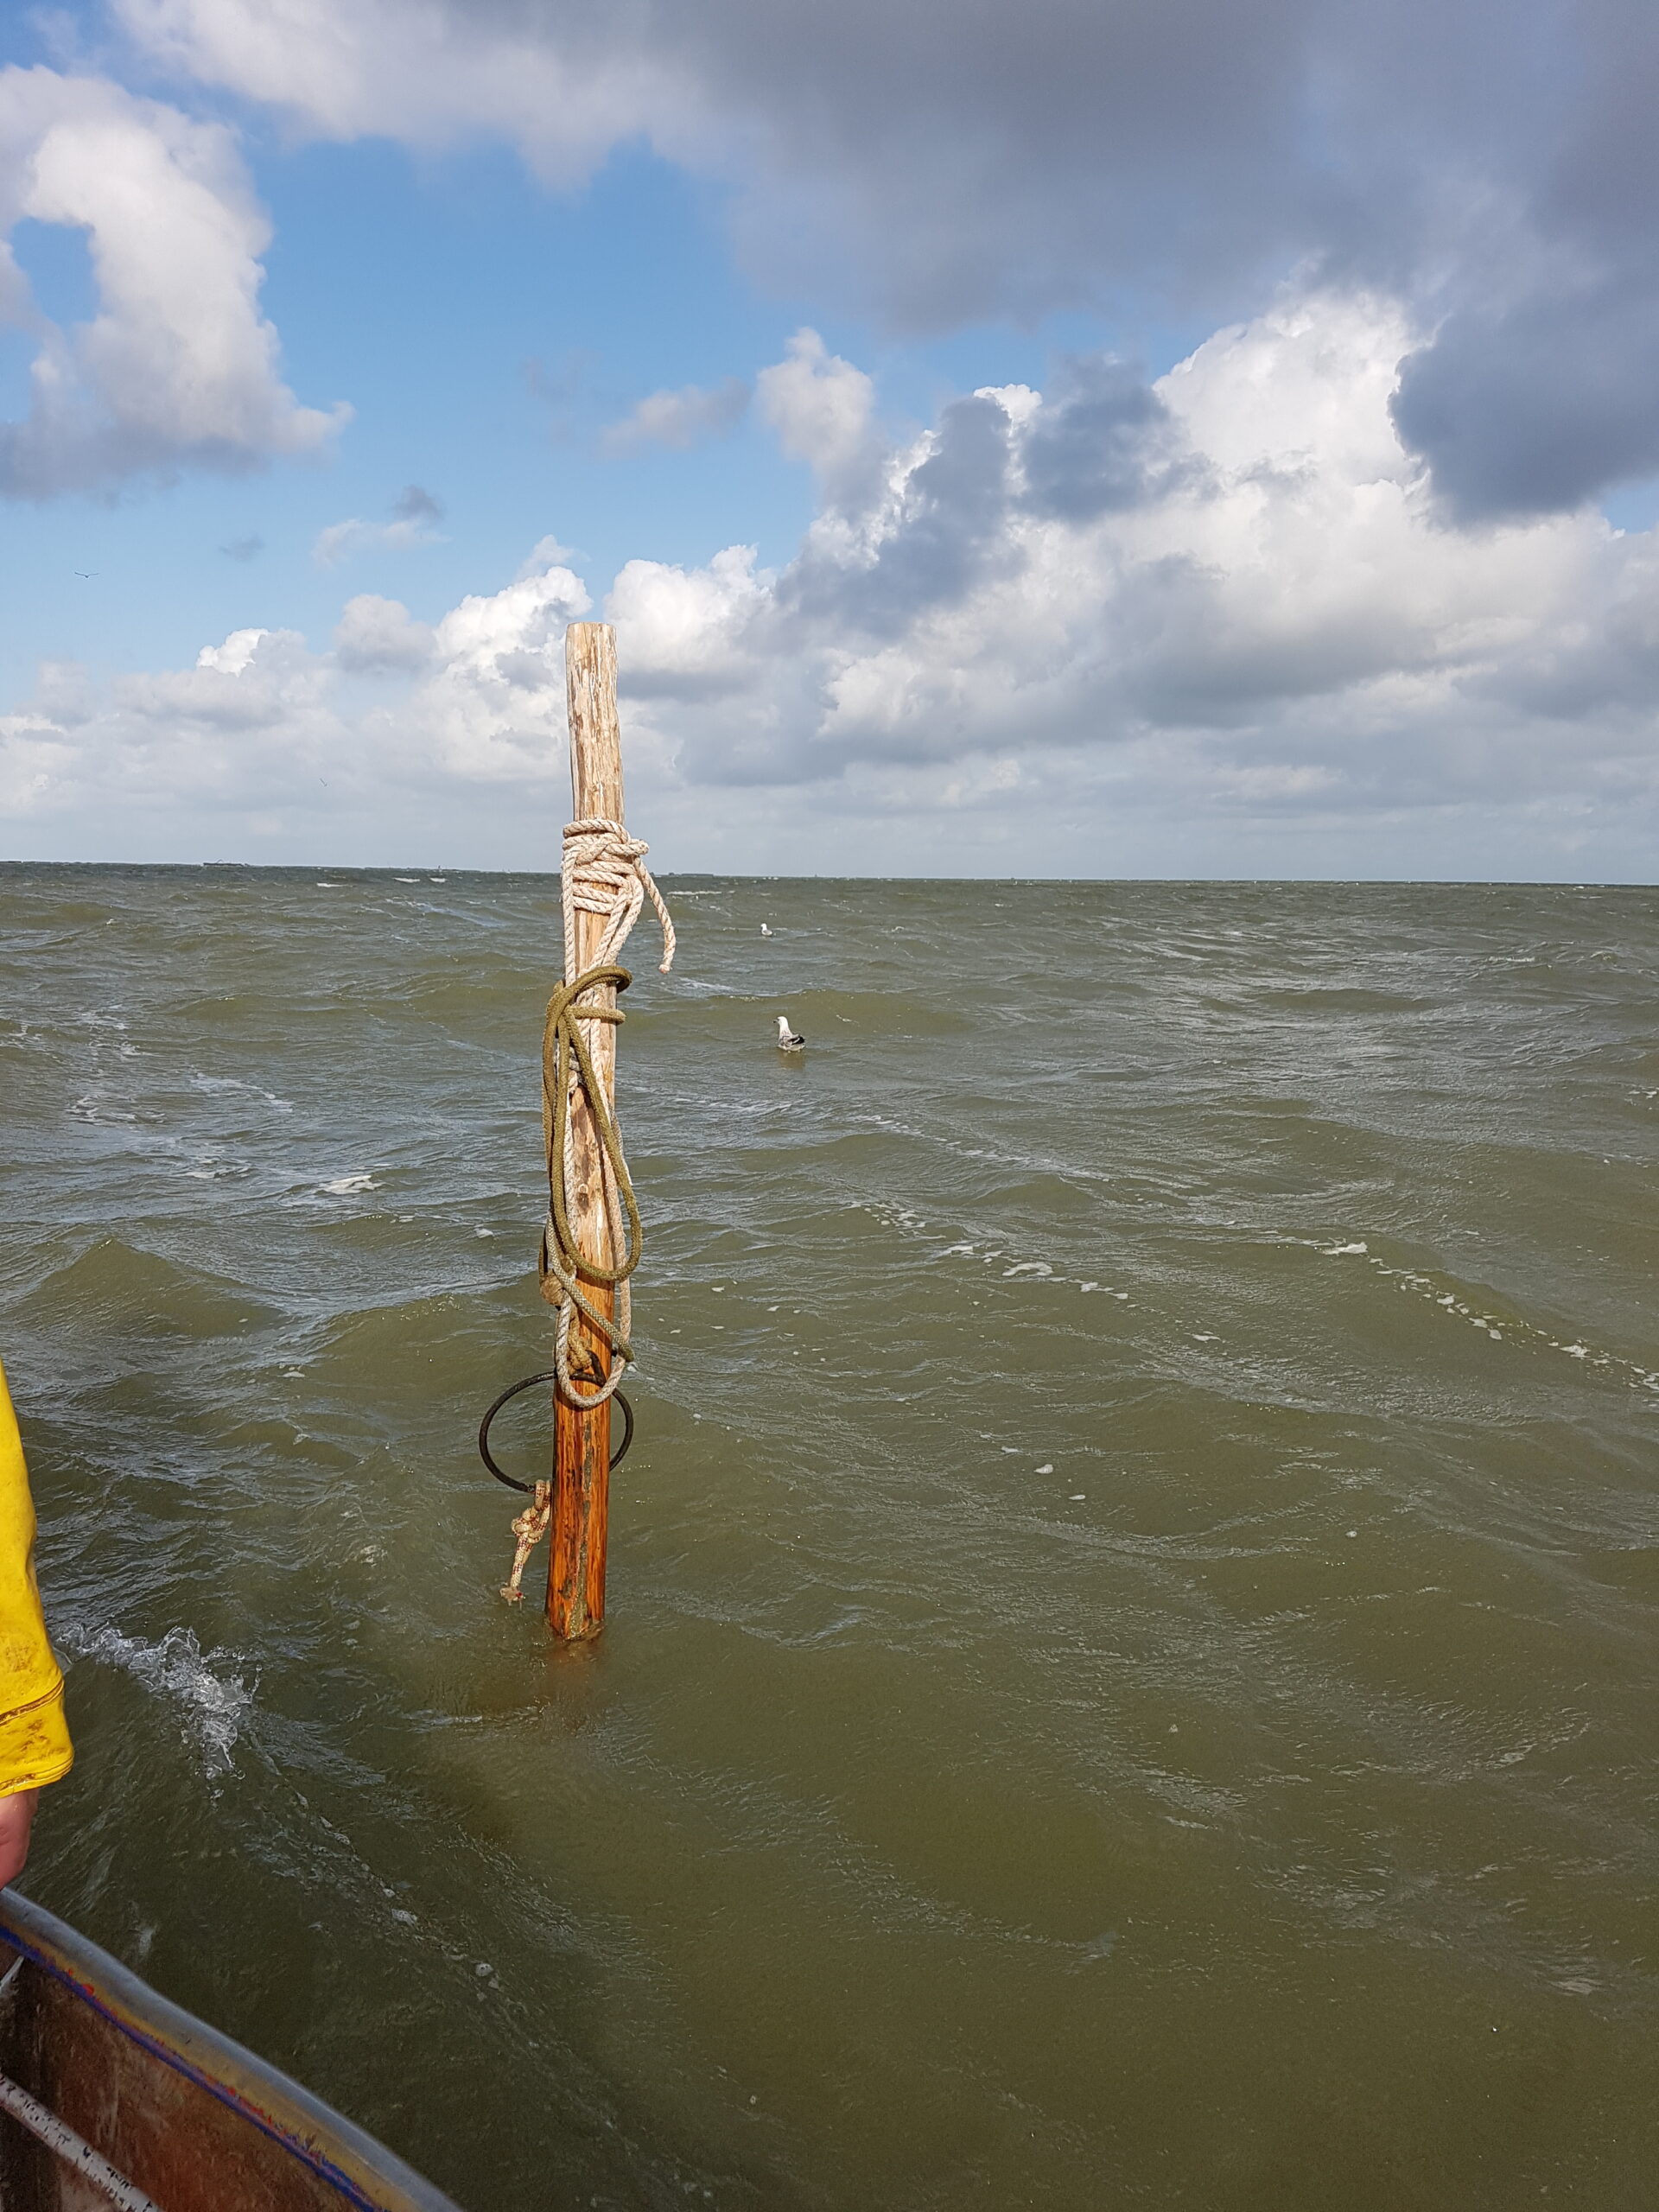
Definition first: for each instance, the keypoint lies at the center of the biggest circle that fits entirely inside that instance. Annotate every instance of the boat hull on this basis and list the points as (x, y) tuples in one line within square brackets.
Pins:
[(191, 2119)]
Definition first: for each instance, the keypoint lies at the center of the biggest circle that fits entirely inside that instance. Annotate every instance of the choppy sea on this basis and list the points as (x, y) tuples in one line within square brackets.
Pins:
[(1131, 1666)]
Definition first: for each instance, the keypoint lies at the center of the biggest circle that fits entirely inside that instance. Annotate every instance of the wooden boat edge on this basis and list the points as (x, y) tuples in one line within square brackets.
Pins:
[(345, 2156)]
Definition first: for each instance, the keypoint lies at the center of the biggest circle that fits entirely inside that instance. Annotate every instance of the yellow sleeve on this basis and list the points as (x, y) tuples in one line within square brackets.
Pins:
[(35, 1746)]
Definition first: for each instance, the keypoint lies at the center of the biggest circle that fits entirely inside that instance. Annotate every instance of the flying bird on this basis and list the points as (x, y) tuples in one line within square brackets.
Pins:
[(788, 1040)]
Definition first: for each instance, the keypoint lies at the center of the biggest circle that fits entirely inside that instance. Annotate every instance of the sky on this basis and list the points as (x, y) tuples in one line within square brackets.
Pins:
[(1081, 438)]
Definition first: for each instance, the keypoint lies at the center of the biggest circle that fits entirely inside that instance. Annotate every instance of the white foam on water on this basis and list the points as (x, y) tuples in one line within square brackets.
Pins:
[(1027, 1267), (91, 1107), (1338, 1251), (1497, 1329), (211, 1705), (214, 1085), (344, 1186)]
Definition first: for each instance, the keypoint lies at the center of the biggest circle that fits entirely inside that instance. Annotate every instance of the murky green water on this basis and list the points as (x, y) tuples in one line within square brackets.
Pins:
[(1131, 1668)]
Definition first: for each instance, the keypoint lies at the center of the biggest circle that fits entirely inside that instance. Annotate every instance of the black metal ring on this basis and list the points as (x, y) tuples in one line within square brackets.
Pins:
[(528, 1383)]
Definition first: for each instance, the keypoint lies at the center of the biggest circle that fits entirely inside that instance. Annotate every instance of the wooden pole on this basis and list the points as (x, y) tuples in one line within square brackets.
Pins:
[(582, 1447)]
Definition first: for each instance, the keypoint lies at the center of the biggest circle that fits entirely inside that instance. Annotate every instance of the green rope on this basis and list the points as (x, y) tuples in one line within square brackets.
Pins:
[(565, 1054)]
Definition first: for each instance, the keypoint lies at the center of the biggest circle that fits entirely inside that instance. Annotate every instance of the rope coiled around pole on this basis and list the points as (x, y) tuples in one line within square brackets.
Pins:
[(604, 872)]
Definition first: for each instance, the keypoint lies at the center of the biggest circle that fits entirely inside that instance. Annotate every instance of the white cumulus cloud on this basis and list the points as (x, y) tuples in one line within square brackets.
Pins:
[(822, 410), (1112, 627), (177, 368), (375, 633)]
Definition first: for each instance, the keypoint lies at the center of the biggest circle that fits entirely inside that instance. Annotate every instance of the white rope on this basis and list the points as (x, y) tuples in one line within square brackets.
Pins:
[(604, 872), (73, 2149), (528, 1528)]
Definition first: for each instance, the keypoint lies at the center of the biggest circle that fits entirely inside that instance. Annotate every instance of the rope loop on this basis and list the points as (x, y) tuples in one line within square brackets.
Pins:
[(567, 1068), (604, 872)]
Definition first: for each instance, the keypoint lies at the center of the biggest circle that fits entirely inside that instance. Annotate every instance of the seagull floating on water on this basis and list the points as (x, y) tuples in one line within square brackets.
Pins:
[(765, 929), (788, 1039)]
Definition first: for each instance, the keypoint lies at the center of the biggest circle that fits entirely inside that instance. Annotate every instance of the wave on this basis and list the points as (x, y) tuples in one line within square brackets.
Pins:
[(210, 1706)]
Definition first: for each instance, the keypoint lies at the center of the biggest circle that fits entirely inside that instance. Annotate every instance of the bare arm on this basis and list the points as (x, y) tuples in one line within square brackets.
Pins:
[(17, 1815)]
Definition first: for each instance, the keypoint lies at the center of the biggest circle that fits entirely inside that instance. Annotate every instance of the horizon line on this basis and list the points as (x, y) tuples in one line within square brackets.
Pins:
[(428, 869)]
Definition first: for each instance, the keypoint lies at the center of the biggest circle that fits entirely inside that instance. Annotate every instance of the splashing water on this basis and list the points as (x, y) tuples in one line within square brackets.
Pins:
[(210, 1706)]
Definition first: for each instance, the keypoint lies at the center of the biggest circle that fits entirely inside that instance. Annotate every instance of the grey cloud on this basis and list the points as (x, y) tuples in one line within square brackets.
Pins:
[(415, 503), (948, 528), (527, 670), (1073, 573), (243, 549), (951, 161), (415, 516), (1105, 444), (1531, 410)]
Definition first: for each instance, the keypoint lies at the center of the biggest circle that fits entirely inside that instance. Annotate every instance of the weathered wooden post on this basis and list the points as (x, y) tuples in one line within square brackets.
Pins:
[(581, 1450), (592, 1236)]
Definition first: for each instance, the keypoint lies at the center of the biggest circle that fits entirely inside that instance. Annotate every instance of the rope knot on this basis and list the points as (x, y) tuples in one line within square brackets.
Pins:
[(604, 873), (529, 1528)]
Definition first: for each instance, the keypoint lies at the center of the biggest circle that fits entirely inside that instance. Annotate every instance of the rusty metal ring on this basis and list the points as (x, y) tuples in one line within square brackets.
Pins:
[(528, 1383)]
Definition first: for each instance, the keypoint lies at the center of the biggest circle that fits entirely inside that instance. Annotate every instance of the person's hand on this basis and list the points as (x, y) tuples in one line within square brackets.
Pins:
[(17, 1815)]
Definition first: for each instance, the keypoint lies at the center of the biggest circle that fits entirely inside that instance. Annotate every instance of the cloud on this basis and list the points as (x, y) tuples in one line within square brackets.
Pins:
[(243, 548), (1228, 596), (1530, 408), (546, 553), (415, 516), (1119, 625), (823, 410), (380, 635), (1106, 443), (414, 509), (260, 726), (558, 385), (680, 419), (1491, 167), (177, 368)]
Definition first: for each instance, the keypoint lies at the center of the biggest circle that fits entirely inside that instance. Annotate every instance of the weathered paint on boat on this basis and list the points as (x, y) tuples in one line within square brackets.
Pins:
[(192, 2118)]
